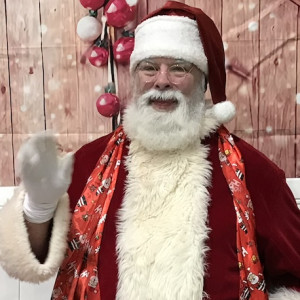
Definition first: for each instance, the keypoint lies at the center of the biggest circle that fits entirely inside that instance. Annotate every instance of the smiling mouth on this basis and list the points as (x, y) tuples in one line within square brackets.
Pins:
[(163, 104)]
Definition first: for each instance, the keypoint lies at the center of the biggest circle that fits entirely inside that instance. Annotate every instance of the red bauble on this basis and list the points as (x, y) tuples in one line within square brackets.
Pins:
[(119, 12), (92, 4), (108, 105), (98, 56), (123, 48)]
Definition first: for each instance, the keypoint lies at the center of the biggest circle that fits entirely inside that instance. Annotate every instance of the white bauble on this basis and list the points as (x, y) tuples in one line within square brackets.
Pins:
[(89, 28)]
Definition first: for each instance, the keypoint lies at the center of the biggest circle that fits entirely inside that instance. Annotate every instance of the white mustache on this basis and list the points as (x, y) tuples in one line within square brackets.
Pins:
[(151, 95)]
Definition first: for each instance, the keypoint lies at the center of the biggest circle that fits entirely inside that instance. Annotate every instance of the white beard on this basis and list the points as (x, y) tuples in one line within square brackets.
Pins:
[(174, 130)]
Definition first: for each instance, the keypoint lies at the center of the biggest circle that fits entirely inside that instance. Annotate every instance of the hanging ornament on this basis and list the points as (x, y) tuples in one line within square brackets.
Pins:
[(88, 28), (92, 4), (123, 48), (108, 105), (98, 55), (120, 12)]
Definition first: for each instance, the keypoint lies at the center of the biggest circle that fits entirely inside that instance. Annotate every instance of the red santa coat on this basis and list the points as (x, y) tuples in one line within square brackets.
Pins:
[(277, 222)]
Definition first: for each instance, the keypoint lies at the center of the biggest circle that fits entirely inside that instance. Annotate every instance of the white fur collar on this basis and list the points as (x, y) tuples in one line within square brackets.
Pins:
[(163, 224)]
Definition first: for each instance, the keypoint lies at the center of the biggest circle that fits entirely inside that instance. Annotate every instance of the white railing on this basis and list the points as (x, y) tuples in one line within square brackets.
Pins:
[(13, 289)]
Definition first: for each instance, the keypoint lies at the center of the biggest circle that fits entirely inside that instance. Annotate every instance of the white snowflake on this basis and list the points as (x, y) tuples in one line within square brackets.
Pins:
[(253, 26), (27, 89), (44, 28), (298, 98), (269, 129)]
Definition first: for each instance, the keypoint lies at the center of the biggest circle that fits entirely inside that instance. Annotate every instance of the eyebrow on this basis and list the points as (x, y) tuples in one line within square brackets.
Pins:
[(177, 61)]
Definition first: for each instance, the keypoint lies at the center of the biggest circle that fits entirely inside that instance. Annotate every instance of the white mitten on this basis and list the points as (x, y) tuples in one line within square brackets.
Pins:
[(45, 176)]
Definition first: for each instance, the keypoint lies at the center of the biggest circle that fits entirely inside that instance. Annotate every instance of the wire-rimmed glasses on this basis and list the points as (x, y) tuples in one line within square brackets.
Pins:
[(176, 72)]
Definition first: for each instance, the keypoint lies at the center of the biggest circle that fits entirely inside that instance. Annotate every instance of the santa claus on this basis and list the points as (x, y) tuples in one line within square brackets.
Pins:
[(163, 207)]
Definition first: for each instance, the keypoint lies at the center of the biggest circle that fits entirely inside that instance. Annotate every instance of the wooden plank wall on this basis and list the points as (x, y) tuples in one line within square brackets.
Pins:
[(43, 85)]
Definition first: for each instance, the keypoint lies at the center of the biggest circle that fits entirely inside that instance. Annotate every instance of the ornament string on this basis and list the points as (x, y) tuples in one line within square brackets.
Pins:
[(112, 68)]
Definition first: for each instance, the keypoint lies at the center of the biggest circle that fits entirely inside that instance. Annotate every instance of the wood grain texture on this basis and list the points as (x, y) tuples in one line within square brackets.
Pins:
[(6, 153), (277, 80), (279, 149), (59, 66), (6, 160), (25, 64), (26, 70), (6, 134), (5, 108), (242, 53), (212, 8)]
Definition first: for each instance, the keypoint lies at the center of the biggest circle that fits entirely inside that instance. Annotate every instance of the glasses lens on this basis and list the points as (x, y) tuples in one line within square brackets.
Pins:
[(178, 72), (147, 69)]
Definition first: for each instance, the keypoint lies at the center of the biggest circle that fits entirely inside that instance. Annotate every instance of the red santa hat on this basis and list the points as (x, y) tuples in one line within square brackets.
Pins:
[(180, 31)]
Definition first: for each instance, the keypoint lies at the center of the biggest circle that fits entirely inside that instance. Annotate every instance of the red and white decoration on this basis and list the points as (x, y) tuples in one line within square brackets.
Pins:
[(118, 14), (92, 4), (123, 48), (98, 56), (108, 105)]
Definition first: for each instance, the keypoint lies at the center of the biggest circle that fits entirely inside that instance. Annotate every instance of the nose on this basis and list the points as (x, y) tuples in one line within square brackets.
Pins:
[(162, 81)]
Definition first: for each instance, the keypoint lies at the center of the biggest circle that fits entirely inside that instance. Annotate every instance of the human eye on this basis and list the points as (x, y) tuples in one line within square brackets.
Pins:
[(177, 70), (148, 68)]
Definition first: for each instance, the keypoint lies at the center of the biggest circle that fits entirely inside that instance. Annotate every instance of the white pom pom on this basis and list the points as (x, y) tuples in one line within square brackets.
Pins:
[(88, 29), (223, 111)]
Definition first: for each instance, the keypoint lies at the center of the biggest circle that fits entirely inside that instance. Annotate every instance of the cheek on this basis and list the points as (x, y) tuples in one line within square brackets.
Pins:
[(141, 85), (187, 86)]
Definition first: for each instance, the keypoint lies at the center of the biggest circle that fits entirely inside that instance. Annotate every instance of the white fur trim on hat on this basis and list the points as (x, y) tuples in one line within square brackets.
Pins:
[(169, 36)]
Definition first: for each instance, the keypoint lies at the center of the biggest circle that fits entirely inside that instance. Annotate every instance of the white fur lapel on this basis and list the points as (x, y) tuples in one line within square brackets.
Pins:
[(163, 225)]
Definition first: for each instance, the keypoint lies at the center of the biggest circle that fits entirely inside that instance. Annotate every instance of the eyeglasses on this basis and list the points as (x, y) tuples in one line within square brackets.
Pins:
[(176, 73)]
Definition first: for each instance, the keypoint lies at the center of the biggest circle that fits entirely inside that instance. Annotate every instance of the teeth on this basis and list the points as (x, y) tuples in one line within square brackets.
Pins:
[(161, 99)]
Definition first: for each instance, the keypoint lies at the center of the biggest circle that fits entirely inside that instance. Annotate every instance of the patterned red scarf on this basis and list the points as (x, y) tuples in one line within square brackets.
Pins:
[(78, 275), (252, 283)]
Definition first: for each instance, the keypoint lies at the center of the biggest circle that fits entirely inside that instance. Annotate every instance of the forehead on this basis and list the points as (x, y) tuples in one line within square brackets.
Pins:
[(165, 60)]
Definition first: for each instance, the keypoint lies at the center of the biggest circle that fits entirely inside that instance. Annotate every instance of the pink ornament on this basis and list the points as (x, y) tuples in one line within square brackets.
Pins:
[(120, 12), (92, 4), (108, 105), (98, 56), (123, 48)]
